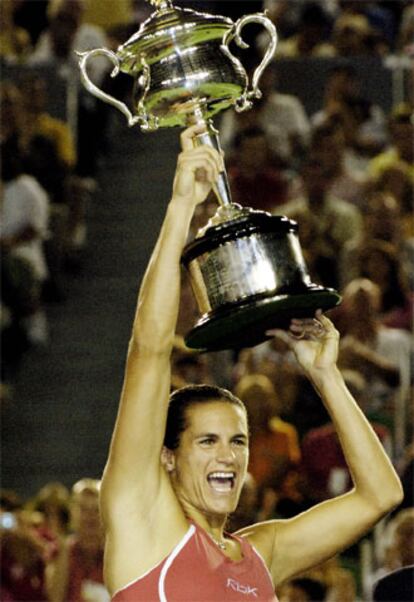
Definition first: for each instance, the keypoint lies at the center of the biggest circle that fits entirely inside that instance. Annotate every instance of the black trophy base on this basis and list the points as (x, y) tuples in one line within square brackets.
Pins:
[(245, 325)]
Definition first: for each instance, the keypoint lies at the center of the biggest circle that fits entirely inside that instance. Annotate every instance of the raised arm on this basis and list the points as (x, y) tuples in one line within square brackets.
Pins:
[(294, 545), (134, 460)]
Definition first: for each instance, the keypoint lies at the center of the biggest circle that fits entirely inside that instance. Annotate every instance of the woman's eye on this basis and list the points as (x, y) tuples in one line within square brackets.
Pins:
[(209, 441), (240, 442)]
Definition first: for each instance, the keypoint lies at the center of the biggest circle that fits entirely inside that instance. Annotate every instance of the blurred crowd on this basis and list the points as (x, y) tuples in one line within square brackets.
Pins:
[(52, 545), (344, 173)]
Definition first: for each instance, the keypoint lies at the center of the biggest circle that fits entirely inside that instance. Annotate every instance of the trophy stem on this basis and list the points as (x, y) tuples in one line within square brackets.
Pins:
[(210, 137)]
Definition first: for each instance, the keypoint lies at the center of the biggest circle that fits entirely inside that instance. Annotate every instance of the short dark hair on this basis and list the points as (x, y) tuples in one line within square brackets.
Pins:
[(313, 14), (182, 399), (343, 68)]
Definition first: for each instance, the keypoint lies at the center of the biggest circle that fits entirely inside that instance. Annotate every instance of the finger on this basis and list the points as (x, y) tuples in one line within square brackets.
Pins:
[(188, 134), (196, 164), (308, 329), (280, 334), (200, 158), (303, 321), (325, 320), (329, 327), (205, 150)]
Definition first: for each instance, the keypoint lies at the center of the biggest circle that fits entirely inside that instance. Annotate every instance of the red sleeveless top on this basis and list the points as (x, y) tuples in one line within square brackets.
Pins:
[(198, 571)]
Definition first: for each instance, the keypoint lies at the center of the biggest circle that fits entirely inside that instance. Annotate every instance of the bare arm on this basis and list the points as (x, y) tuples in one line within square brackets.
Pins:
[(294, 545), (142, 517), (134, 459)]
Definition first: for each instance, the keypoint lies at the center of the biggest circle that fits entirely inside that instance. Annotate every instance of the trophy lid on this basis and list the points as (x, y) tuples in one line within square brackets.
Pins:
[(167, 28)]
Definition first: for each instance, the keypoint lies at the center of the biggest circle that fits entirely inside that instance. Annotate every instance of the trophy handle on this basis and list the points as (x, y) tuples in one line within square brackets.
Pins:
[(84, 57), (149, 122), (243, 103)]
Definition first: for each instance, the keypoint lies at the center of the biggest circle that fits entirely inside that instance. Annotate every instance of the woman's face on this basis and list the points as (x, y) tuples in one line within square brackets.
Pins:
[(209, 466)]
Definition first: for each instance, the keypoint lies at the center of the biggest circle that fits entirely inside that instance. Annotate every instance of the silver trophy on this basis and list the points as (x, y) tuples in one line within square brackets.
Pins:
[(246, 267)]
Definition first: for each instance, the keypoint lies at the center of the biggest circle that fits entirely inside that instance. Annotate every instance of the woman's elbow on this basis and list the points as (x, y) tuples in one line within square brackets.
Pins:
[(396, 495), (390, 496)]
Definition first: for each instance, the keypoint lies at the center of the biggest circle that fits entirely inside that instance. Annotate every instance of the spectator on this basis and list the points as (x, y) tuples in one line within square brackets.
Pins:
[(274, 447), (287, 15), (339, 581), (53, 502), (381, 16), (58, 45), (281, 116), (381, 223), (37, 122), (76, 573), (403, 317), (400, 154), (397, 182), (398, 554), (15, 43), (329, 147), (255, 179), (363, 122), (353, 36), (303, 589), (311, 36), (11, 114), (326, 223), (382, 215), (381, 354), (22, 566), (31, 16), (189, 367), (405, 44), (324, 466), (274, 360), (247, 508), (378, 262), (397, 586), (67, 34), (25, 213)]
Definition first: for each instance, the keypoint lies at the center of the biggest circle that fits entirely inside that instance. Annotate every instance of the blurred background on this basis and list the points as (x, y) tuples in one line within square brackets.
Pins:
[(330, 144)]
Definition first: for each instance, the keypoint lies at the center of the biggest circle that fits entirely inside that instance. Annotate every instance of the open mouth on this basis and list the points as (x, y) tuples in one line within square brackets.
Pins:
[(222, 482)]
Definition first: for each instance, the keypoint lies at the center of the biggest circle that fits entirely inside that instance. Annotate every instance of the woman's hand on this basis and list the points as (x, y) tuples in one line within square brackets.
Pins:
[(197, 168), (314, 342)]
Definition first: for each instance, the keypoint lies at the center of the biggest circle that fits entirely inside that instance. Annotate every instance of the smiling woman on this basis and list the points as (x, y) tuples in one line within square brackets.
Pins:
[(208, 468), (177, 465)]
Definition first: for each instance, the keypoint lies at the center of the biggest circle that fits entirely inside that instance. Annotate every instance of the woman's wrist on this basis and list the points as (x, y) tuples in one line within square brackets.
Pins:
[(326, 377), (182, 202)]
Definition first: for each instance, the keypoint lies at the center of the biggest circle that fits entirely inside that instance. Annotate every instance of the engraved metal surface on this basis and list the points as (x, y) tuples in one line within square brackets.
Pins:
[(257, 265), (196, 76)]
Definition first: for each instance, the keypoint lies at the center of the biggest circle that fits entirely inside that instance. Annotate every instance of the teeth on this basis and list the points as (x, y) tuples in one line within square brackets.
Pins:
[(221, 475)]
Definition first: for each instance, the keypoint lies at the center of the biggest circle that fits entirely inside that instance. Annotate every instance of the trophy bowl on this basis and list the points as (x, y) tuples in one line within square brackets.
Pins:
[(246, 267), (180, 61), (248, 276)]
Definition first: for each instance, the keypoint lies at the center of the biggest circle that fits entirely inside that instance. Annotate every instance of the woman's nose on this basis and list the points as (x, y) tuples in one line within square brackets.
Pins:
[(225, 453)]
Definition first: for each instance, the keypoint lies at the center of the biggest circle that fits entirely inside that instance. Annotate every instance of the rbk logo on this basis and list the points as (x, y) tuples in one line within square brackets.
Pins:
[(242, 589)]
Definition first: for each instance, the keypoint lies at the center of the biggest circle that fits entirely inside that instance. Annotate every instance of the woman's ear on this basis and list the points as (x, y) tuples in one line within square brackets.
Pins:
[(168, 459)]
